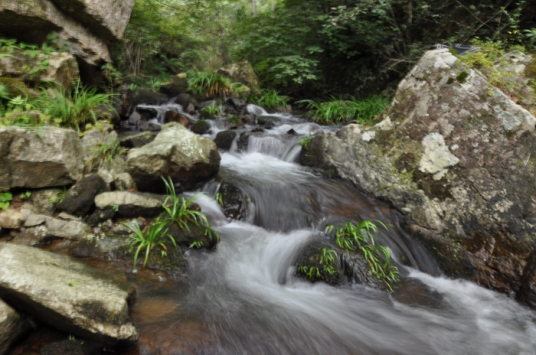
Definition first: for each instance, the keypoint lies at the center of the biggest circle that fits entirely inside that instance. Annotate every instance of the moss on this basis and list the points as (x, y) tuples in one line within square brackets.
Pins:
[(530, 70), (15, 87), (450, 81), (462, 77)]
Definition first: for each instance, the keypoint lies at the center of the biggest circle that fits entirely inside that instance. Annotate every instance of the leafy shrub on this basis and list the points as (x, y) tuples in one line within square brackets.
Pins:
[(353, 238), (269, 98)]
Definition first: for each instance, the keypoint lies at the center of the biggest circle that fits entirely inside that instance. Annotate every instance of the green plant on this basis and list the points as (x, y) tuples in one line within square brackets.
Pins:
[(305, 140), (211, 84), (234, 119), (5, 200), (25, 195), (196, 244), (269, 98), (152, 236), (351, 237), (106, 152), (59, 196), (219, 198), (115, 208), (212, 110), (336, 110), (72, 108), (178, 210), (327, 258)]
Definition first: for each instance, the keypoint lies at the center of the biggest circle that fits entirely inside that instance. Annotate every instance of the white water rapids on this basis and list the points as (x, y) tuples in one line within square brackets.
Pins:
[(246, 294)]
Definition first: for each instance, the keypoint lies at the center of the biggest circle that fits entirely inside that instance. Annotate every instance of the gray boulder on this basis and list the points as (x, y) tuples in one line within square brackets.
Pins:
[(11, 219), (12, 326), (187, 158), (131, 204), (64, 226), (66, 294), (455, 155), (47, 157), (137, 140)]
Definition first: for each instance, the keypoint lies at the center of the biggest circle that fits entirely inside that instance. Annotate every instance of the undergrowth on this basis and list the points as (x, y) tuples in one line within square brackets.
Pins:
[(337, 110), (268, 98)]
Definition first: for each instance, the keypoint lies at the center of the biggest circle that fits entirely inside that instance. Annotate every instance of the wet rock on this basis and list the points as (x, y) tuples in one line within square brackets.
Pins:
[(11, 219), (33, 159), (224, 140), (124, 182), (455, 155), (233, 201), (187, 158), (283, 109), (147, 113), (101, 215), (131, 204), (66, 294), (176, 85), (12, 326), (137, 140), (243, 141), (79, 200), (194, 236), (309, 264), (237, 104), (45, 201), (71, 347), (249, 119), (174, 116), (147, 97), (186, 100)]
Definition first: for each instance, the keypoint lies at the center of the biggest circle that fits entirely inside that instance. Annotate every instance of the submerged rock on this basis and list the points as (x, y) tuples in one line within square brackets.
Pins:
[(456, 156), (66, 294), (187, 158)]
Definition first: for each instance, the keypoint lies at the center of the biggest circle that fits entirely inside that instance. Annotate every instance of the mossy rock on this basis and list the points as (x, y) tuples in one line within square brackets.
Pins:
[(530, 70), (194, 236), (310, 266), (15, 87)]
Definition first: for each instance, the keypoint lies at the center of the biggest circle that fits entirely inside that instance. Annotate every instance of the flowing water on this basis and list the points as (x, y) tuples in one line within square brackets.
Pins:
[(244, 298)]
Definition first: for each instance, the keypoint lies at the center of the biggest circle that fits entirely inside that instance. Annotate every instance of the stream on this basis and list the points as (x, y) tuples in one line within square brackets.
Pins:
[(244, 297)]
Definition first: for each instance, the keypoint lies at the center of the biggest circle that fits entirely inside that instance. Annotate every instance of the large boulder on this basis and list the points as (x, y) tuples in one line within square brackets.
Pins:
[(241, 72), (12, 326), (457, 157), (43, 157), (66, 294), (176, 152)]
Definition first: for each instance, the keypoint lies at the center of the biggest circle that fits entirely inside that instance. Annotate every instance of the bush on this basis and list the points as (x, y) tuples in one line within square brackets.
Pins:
[(211, 84), (269, 98), (336, 110)]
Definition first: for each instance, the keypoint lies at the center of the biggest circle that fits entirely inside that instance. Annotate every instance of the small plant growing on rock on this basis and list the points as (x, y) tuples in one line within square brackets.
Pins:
[(269, 98), (304, 141), (5, 200), (106, 152), (212, 110), (148, 239), (351, 237)]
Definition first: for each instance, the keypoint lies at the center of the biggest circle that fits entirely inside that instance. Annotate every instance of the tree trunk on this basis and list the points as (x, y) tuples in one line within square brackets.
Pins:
[(254, 7)]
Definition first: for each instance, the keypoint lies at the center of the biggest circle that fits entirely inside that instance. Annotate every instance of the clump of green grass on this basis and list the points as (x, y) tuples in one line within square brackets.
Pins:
[(212, 109), (106, 152), (269, 98), (336, 110), (351, 237), (152, 236), (211, 84)]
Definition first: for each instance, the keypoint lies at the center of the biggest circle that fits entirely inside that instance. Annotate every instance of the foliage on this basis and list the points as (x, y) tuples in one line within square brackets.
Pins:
[(5, 199), (152, 236), (336, 110), (107, 151), (25, 195), (269, 98), (305, 140), (179, 210), (212, 110), (326, 258), (72, 108), (351, 237), (211, 84)]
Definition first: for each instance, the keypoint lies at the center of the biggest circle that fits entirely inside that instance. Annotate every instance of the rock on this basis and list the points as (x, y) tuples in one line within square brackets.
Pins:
[(131, 204), (11, 219), (174, 116), (176, 85), (45, 201), (310, 258), (456, 155), (194, 234), (233, 199), (283, 109), (124, 182), (71, 347), (187, 158), (12, 326), (224, 140), (137, 140), (64, 226), (147, 113), (47, 157), (96, 143), (100, 216), (147, 97), (186, 100), (241, 72), (66, 294), (62, 68), (80, 198), (237, 104), (200, 127)]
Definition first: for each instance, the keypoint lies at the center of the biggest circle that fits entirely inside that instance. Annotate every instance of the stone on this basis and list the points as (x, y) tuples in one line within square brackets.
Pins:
[(80, 197), (310, 257), (187, 158), (456, 156), (131, 204), (95, 142), (66, 294), (174, 116), (124, 182), (137, 140), (224, 140), (45, 201), (64, 226), (176, 85), (12, 326), (62, 68), (11, 219), (200, 127), (47, 157), (186, 100), (241, 72)]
